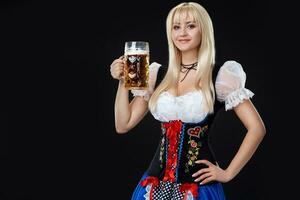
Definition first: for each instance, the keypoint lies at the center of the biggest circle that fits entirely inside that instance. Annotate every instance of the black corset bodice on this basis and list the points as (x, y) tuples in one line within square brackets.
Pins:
[(182, 144)]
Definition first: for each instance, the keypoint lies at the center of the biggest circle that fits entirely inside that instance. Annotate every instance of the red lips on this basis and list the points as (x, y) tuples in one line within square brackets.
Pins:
[(184, 40)]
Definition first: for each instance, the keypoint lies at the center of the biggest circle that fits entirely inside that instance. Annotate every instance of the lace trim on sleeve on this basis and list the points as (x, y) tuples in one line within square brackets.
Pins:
[(236, 97), (143, 93)]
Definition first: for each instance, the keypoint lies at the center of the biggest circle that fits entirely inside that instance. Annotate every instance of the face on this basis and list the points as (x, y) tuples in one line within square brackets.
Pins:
[(186, 34)]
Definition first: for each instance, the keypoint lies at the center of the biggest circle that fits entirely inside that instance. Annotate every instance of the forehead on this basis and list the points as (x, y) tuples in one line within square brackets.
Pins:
[(182, 16)]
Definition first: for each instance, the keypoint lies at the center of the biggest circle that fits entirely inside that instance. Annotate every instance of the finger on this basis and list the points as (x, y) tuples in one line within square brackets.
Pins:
[(122, 78), (204, 176), (121, 67), (120, 61), (209, 179), (115, 69), (116, 63), (117, 74), (206, 162), (121, 57), (201, 171), (120, 71)]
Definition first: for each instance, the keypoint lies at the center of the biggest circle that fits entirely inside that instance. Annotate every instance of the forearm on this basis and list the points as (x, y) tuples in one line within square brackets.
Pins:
[(245, 152), (122, 108)]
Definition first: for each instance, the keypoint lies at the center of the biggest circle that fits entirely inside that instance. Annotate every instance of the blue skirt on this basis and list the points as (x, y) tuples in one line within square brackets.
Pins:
[(212, 191)]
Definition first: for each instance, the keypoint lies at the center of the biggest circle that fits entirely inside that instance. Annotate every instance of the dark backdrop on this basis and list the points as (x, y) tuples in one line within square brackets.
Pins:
[(62, 97)]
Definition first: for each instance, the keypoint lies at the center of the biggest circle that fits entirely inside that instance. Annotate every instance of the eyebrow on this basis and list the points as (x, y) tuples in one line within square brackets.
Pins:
[(188, 22)]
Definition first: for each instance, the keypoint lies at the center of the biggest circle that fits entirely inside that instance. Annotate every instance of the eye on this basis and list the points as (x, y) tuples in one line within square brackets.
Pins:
[(191, 26), (176, 27)]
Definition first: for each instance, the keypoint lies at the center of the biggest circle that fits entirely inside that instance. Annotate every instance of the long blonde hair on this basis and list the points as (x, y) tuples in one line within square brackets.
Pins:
[(206, 55)]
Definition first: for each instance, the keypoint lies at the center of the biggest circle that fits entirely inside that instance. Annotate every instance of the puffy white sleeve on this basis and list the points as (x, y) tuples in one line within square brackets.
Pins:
[(230, 85), (146, 94)]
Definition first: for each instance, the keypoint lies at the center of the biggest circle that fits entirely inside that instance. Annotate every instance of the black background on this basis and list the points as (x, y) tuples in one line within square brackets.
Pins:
[(60, 97)]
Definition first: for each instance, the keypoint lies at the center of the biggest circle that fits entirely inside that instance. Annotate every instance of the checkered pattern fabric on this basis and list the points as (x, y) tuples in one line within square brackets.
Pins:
[(167, 191)]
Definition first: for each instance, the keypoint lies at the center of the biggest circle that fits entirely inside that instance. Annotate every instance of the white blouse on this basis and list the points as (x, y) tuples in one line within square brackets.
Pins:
[(189, 107)]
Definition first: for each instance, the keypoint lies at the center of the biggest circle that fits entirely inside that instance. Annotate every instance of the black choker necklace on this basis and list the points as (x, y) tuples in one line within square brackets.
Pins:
[(186, 68)]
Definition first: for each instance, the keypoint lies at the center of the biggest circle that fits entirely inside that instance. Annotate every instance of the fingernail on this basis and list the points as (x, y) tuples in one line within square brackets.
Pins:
[(201, 183)]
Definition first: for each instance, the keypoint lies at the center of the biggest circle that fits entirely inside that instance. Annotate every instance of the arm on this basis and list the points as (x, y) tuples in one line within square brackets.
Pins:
[(128, 115), (255, 133), (230, 88)]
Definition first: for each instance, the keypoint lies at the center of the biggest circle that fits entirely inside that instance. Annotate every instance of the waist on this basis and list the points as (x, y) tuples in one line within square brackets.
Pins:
[(181, 145)]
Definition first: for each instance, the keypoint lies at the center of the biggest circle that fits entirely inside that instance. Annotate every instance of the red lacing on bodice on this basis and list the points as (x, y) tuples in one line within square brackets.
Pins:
[(172, 134)]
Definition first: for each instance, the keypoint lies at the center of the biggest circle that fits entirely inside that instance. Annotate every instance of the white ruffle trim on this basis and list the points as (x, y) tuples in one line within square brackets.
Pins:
[(148, 189), (236, 97), (189, 196), (143, 93)]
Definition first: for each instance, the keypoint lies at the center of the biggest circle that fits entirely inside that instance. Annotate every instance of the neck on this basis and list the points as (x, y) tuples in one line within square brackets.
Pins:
[(189, 57)]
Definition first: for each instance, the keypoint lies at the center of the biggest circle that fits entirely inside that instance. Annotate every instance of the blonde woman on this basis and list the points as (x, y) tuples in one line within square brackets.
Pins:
[(185, 103)]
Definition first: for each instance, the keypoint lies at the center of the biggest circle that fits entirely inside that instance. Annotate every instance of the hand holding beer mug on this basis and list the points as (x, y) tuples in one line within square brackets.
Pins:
[(136, 68)]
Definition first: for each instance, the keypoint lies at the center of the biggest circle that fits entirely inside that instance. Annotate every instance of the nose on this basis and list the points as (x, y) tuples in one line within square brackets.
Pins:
[(183, 31)]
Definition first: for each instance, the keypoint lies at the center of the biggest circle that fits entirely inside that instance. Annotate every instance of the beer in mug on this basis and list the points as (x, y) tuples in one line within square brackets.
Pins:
[(136, 69)]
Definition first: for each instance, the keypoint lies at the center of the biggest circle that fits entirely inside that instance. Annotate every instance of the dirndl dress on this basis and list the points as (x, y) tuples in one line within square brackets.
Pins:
[(169, 176), (185, 128)]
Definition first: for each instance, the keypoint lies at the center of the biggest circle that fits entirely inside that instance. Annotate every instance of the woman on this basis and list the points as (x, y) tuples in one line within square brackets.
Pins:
[(184, 166)]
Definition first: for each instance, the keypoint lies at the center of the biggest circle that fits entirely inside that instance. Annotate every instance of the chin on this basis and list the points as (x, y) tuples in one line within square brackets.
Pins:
[(184, 49)]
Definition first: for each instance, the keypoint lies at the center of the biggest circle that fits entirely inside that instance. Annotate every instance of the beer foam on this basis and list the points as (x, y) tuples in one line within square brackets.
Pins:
[(135, 52)]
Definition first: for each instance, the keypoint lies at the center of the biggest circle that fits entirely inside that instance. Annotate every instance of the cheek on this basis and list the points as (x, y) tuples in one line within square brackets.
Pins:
[(173, 36), (174, 39), (197, 37)]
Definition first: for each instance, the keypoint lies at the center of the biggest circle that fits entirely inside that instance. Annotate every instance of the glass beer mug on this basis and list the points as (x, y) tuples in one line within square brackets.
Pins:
[(136, 69)]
